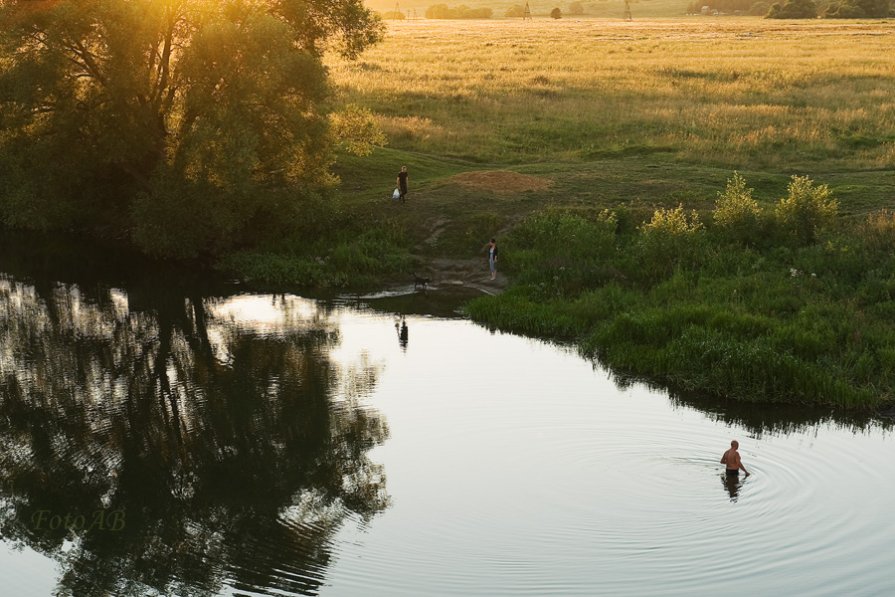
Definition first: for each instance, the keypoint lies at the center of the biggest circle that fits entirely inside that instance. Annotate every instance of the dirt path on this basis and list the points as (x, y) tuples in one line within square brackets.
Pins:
[(469, 273), (446, 272), (438, 227)]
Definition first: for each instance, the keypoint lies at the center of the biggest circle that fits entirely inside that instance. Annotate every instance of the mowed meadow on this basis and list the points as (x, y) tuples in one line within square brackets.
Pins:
[(732, 92)]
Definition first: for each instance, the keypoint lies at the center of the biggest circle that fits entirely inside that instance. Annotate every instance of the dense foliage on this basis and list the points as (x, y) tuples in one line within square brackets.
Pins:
[(780, 304), (189, 126), (857, 9), (798, 9), (443, 11), (793, 9)]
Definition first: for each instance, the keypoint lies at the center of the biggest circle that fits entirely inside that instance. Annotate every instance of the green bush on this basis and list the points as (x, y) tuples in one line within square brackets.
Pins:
[(670, 239), (556, 13), (793, 9), (736, 213), (843, 10), (672, 223), (576, 8), (806, 209), (563, 232), (562, 253)]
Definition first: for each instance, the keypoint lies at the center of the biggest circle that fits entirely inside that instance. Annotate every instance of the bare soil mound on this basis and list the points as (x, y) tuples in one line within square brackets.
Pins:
[(501, 181)]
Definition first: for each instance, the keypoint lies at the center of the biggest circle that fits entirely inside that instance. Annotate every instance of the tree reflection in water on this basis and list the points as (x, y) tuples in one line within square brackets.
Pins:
[(188, 452)]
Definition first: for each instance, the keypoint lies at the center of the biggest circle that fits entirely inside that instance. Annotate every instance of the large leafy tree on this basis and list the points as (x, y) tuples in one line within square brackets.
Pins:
[(187, 125), (858, 9)]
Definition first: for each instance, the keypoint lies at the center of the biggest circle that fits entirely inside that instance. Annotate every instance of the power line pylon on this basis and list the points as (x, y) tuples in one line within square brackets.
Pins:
[(627, 16), (526, 14)]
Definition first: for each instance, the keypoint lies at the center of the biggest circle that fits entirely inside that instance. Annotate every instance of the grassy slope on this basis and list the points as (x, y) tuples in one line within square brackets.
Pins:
[(653, 112), (635, 116)]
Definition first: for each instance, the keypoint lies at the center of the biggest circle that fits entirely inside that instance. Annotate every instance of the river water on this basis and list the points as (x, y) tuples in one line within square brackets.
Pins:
[(168, 435)]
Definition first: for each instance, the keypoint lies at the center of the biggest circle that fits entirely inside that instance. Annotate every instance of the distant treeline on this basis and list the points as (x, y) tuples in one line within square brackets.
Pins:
[(443, 11), (799, 9), (834, 9), (752, 7)]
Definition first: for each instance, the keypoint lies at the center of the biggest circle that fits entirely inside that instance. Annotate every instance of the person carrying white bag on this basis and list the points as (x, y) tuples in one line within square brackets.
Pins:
[(401, 181)]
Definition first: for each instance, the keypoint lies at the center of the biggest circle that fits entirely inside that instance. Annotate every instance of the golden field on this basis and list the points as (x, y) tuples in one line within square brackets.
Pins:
[(744, 92)]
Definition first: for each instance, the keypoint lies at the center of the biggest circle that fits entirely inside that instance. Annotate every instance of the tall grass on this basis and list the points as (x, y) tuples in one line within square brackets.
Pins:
[(806, 322), (734, 93), (346, 257)]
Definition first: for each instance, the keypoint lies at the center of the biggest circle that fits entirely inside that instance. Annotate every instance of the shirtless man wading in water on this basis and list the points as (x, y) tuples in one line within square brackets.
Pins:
[(732, 460)]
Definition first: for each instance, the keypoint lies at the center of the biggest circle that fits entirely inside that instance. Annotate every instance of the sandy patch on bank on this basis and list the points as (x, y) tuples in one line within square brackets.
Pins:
[(501, 181)]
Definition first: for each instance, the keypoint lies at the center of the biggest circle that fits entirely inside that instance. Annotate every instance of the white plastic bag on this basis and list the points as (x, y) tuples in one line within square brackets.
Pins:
[(396, 194)]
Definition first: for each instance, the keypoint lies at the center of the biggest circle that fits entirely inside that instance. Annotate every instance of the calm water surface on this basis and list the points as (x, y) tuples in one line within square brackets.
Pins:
[(170, 436)]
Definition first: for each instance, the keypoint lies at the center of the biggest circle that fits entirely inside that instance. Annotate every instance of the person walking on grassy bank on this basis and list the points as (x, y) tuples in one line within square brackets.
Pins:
[(402, 183), (492, 257), (731, 459)]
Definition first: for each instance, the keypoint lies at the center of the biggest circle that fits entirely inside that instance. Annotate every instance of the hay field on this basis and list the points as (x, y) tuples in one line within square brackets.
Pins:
[(640, 9), (746, 93)]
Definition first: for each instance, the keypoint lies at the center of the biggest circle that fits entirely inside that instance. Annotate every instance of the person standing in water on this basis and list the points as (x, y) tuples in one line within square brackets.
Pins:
[(732, 461), (402, 183)]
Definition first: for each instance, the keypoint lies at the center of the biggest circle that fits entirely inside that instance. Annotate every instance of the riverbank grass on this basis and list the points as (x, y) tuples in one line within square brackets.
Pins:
[(766, 306)]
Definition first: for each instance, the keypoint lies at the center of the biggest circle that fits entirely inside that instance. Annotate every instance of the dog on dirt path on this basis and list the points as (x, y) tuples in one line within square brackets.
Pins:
[(421, 282)]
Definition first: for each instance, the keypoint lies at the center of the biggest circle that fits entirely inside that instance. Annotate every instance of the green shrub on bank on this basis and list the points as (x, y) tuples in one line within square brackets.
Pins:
[(806, 209), (343, 262), (737, 213), (562, 252), (672, 238)]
